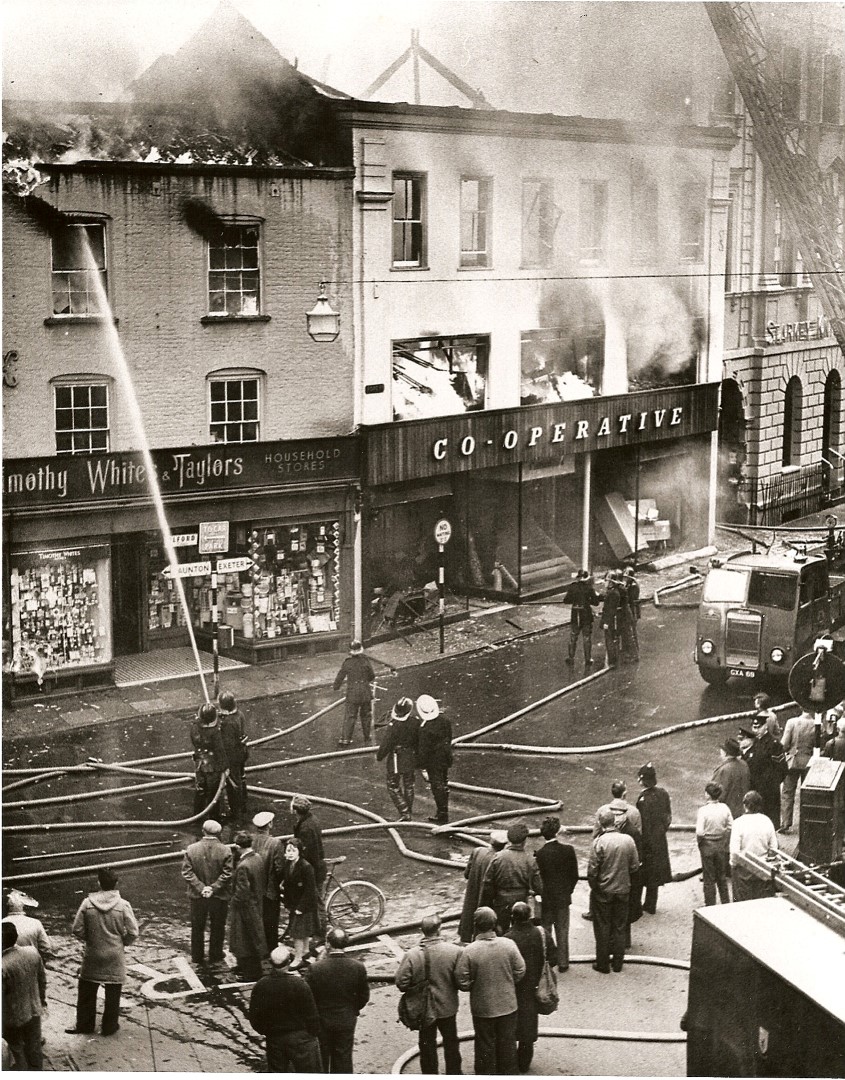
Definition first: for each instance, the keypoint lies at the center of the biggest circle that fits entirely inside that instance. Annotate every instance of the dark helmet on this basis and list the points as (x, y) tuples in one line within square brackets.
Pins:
[(227, 701), (207, 713)]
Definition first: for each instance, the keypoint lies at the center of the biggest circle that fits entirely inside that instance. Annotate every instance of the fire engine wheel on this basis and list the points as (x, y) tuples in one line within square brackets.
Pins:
[(714, 676)]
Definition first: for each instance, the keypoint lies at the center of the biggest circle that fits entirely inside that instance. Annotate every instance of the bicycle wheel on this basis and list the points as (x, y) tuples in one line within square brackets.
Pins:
[(355, 906)]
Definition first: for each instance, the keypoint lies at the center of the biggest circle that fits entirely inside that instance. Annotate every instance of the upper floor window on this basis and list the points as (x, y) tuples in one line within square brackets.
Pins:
[(79, 268), (724, 95), (439, 376), (790, 95), (539, 222), (409, 224), (234, 275), (592, 220), (792, 408), (644, 211), (82, 418), (234, 408), (784, 256), (831, 88), (562, 363), (692, 213), (476, 209)]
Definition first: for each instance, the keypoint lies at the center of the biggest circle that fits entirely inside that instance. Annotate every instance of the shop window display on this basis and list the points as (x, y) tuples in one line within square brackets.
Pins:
[(60, 609)]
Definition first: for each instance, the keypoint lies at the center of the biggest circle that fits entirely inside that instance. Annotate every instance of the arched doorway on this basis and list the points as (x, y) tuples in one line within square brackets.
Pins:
[(732, 453), (831, 435), (792, 409)]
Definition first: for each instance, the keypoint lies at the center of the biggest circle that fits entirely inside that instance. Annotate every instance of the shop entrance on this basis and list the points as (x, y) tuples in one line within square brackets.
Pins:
[(127, 584)]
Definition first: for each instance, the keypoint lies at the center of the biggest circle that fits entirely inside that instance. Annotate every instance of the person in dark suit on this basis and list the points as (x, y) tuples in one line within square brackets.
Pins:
[(282, 1009), (529, 940), (655, 810), (358, 673), (434, 753), (767, 765), (399, 750), (341, 990), (558, 865), (207, 867)]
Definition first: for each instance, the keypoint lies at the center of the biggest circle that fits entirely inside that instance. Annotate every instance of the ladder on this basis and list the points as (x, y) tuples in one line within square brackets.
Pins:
[(806, 886), (808, 204)]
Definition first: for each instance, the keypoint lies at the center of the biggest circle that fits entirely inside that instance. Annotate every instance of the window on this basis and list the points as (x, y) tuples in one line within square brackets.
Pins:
[(790, 96), (539, 222), (439, 376), (82, 418), (831, 88), (784, 259), (475, 221), (772, 590), (408, 220), (730, 226), (792, 423), (79, 260), (234, 276), (562, 363), (234, 409), (644, 210), (724, 95), (592, 220), (693, 198)]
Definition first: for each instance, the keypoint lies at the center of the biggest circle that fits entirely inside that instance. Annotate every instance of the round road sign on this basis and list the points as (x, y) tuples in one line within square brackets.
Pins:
[(443, 531)]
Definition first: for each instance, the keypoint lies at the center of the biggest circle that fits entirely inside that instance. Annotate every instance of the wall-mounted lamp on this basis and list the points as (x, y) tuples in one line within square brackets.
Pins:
[(322, 321)]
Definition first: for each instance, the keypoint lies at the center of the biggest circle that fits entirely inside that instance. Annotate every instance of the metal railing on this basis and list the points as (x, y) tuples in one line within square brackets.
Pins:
[(773, 500)]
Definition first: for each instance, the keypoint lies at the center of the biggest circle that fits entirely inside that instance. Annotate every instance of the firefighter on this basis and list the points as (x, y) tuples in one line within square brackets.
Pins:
[(583, 597), (209, 761)]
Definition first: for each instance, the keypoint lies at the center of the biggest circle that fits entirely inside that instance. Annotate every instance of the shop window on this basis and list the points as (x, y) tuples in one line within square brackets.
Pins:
[(234, 409), (409, 225), (644, 211), (790, 97), (592, 220), (82, 418), (60, 609), (79, 268), (234, 275), (476, 210), (439, 376), (539, 222), (831, 88), (792, 403), (692, 211), (562, 363)]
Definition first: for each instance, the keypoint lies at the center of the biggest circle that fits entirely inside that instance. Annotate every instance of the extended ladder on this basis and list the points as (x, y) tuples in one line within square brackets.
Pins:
[(806, 886)]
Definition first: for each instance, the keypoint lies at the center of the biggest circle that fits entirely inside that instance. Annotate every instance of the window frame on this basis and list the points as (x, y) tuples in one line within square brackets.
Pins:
[(691, 249), (420, 262), (227, 377), (830, 107), (75, 385), (80, 221), (645, 195), (791, 64), (240, 223), (592, 226), (477, 258), (547, 216), (450, 345)]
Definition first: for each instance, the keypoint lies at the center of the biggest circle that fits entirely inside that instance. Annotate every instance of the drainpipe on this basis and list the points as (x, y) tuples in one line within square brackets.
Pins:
[(585, 511)]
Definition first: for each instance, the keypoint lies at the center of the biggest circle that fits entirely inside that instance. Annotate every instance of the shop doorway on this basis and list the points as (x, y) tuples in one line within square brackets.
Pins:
[(732, 454), (127, 585)]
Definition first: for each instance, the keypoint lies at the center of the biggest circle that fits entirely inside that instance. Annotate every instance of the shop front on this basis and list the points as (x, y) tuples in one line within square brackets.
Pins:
[(88, 574), (534, 493)]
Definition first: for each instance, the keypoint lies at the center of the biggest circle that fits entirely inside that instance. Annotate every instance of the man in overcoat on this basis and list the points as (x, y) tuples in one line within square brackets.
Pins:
[(767, 765), (341, 990), (655, 810), (246, 924), (475, 871), (269, 848), (207, 867), (733, 776), (434, 753)]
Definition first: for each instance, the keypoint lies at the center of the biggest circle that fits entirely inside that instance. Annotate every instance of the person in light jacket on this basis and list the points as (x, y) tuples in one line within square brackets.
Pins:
[(799, 742), (442, 963), (489, 969), (512, 875), (105, 923)]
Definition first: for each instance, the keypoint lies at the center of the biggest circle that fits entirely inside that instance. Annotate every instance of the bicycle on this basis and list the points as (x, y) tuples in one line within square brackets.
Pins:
[(354, 906)]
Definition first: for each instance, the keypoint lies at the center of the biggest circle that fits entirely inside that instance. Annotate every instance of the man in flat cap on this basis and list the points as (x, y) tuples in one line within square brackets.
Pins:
[(282, 1009), (732, 776), (207, 867)]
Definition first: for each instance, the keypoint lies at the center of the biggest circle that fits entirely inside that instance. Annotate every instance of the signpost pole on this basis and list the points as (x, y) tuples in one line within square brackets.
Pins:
[(215, 623), (441, 583)]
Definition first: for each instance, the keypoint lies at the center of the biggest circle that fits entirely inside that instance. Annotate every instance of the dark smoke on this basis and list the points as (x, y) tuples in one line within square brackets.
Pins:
[(200, 217), (44, 214)]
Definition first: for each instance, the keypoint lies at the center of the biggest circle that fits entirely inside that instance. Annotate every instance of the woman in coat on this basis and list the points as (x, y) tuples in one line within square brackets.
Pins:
[(299, 895), (656, 811), (246, 924), (105, 923), (529, 941)]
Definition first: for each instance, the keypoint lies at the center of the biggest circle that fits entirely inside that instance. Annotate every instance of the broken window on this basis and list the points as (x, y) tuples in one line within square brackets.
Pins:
[(476, 208), (562, 363), (644, 208), (234, 409), (540, 217), (234, 276), (79, 258), (408, 219), (82, 418), (439, 376), (692, 213), (592, 220)]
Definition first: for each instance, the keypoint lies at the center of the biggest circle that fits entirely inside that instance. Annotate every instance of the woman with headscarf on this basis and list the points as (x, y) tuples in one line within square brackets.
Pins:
[(299, 895), (655, 809)]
